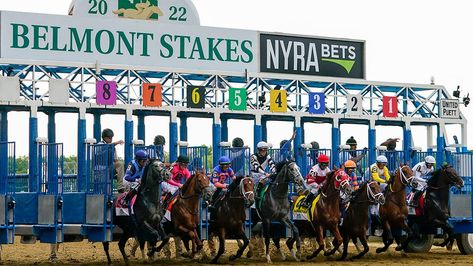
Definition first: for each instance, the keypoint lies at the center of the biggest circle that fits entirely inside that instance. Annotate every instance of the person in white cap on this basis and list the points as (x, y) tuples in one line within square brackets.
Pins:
[(260, 163), (379, 171), (422, 172)]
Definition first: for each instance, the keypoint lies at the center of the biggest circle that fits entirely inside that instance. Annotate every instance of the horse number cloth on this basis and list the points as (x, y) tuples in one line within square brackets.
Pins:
[(299, 208), (122, 210)]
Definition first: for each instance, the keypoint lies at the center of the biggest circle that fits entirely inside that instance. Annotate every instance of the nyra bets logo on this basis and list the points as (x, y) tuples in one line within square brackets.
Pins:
[(139, 9), (311, 56)]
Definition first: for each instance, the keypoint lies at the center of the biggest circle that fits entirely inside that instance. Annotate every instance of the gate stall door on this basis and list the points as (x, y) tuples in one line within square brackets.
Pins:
[(50, 159), (7, 191), (99, 192), (360, 157), (153, 151)]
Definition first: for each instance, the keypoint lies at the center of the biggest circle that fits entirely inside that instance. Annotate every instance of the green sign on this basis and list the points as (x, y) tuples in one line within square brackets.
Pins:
[(237, 99)]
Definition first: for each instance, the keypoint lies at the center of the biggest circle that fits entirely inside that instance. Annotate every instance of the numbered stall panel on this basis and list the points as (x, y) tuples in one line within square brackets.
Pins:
[(390, 107), (152, 94), (106, 92), (354, 104), (316, 103), (196, 97), (278, 101), (237, 99)]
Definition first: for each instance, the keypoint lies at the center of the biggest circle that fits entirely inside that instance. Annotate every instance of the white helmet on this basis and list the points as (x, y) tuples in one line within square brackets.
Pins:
[(429, 159), (262, 145), (382, 159)]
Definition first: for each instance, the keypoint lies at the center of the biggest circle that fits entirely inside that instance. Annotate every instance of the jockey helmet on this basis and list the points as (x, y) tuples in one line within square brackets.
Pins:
[(382, 159), (141, 155), (183, 159), (262, 145), (351, 141), (237, 143), (159, 140), (224, 160), (350, 164), (323, 158), (429, 159), (315, 145), (107, 133)]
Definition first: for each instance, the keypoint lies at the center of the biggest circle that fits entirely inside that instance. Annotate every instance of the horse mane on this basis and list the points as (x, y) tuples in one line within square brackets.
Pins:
[(357, 193), (434, 178), (280, 165), (235, 183), (328, 180), (187, 183), (145, 172)]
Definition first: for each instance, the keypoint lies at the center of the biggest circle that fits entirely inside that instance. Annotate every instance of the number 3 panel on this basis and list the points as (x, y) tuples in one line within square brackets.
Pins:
[(106, 92), (152, 95), (196, 97), (316, 103)]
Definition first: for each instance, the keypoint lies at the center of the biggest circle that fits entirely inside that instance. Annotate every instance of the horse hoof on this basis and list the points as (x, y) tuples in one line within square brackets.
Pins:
[(249, 254), (399, 248), (214, 261), (379, 250), (233, 257)]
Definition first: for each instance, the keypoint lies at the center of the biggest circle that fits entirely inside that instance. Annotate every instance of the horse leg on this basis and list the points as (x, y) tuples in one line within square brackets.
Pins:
[(320, 241), (121, 246), (142, 249), (448, 229), (134, 247), (387, 237), (198, 242), (295, 238), (106, 247), (366, 248), (337, 240), (410, 236), (243, 246), (211, 243), (276, 241), (267, 236), (355, 242), (221, 245), (346, 239)]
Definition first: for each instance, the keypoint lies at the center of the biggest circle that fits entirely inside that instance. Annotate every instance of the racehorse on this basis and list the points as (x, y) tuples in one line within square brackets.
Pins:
[(356, 221), (231, 215), (147, 212), (326, 213), (185, 213), (436, 210), (274, 205), (394, 212)]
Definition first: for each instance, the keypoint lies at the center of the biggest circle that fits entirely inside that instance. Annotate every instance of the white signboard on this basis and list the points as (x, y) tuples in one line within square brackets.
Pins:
[(449, 109), (354, 104), (55, 38), (162, 11)]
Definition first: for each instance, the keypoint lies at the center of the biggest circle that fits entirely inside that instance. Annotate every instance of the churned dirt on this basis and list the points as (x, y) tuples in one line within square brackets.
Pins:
[(84, 253)]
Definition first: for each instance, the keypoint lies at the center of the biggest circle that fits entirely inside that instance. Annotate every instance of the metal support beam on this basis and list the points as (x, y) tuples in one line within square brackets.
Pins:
[(3, 125), (335, 141), (372, 142), (407, 141), (298, 140), (128, 136), (81, 151), (216, 138), (33, 125), (225, 129), (257, 131), (52, 127), (440, 145), (141, 127), (173, 137), (97, 127)]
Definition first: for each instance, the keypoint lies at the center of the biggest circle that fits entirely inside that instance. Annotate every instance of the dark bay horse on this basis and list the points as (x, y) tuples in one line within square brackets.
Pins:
[(356, 221), (144, 223), (326, 214), (394, 212), (185, 213), (436, 210), (231, 215), (275, 205)]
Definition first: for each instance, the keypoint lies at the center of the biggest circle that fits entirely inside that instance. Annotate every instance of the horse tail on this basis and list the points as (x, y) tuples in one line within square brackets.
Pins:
[(119, 11)]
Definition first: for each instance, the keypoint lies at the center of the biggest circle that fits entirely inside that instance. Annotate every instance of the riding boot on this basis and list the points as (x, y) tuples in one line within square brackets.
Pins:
[(415, 199), (308, 200), (259, 189)]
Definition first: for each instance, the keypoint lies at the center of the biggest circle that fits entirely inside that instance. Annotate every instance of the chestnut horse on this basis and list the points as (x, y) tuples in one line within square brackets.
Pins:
[(326, 214), (394, 212)]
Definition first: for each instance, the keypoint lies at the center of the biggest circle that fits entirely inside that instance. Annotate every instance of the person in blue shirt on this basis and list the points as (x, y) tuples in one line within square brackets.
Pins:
[(222, 176), (285, 148), (133, 175)]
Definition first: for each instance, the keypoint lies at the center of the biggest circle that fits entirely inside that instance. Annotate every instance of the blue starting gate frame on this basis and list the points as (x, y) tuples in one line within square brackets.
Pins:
[(153, 151), (361, 165), (98, 225), (7, 192), (309, 158)]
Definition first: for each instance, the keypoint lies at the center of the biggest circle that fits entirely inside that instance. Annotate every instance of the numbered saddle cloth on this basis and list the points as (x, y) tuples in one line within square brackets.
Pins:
[(301, 210), (121, 209)]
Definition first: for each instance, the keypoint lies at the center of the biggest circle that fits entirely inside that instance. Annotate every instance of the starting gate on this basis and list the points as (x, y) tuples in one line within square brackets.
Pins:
[(7, 191), (98, 225), (362, 160), (309, 158), (153, 151)]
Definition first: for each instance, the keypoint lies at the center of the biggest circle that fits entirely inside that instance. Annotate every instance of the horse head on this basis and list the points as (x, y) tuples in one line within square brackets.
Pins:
[(374, 193), (453, 178), (341, 181), (202, 185), (155, 173), (295, 176), (405, 175), (247, 190)]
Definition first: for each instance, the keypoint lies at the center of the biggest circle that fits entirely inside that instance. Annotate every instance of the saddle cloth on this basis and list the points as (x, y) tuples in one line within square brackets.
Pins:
[(300, 210), (122, 210)]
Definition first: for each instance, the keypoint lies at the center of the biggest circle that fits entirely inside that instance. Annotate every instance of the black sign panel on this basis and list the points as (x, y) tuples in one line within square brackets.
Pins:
[(196, 97), (311, 56)]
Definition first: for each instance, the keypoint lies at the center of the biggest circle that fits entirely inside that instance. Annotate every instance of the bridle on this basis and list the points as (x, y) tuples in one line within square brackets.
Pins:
[(377, 198)]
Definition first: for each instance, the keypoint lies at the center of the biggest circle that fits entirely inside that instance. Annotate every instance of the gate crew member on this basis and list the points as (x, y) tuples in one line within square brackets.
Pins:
[(260, 162), (316, 178), (133, 175), (422, 172)]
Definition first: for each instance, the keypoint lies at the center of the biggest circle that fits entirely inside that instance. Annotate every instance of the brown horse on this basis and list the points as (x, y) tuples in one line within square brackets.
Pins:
[(185, 213), (356, 219), (326, 214), (393, 213), (230, 215)]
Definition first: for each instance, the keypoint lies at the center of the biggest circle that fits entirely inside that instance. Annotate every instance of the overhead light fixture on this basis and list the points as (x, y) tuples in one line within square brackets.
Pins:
[(457, 92), (466, 100)]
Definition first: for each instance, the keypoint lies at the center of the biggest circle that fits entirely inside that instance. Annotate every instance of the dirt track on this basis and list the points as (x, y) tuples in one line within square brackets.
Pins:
[(85, 253)]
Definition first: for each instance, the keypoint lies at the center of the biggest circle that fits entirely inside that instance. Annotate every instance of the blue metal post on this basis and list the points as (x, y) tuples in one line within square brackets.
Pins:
[(335, 141), (372, 142), (225, 129), (216, 138), (173, 137), (97, 127), (33, 150), (3, 125), (141, 127), (298, 141), (128, 138), (264, 129), (52, 127), (407, 141), (81, 152), (183, 128), (440, 159), (257, 131)]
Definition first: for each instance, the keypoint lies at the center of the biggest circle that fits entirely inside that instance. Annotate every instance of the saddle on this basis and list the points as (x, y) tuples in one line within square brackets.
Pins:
[(124, 209)]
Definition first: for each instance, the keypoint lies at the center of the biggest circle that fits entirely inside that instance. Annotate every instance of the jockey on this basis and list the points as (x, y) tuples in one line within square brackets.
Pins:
[(379, 172), (316, 178), (285, 147), (133, 175), (350, 167), (179, 171), (422, 171), (260, 162), (222, 175)]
